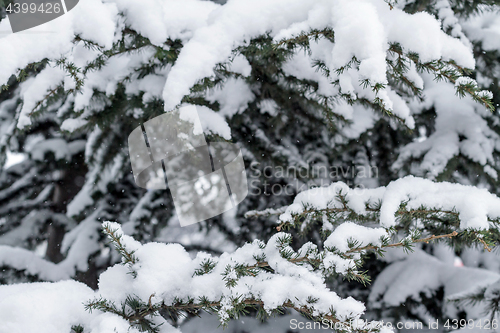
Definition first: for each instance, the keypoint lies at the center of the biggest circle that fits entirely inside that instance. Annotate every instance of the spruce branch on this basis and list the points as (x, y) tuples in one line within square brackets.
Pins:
[(138, 313), (74, 72), (316, 260), (483, 239), (391, 3), (444, 70), (135, 311), (115, 237), (402, 243), (302, 40), (489, 295), (23, 73), (77, 329), (244, 304), (45, 98), (207, 266), (371, 214)]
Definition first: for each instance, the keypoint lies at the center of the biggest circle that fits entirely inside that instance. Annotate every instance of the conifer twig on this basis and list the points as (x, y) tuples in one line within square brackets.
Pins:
[(303, 38), (486, 247), (47, 96), (421, 240), (116, 239), (265, 212), (264, 264)]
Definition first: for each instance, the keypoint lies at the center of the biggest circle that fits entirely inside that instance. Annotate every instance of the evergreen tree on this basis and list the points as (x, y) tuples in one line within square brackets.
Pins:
[(389, 107)]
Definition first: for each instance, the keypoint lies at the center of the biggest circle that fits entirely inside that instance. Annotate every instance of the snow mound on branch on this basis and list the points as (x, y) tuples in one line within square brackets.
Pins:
[(213, 122), (340, 237), (43, 307), (233, 97), (473, 205), (162, 19)]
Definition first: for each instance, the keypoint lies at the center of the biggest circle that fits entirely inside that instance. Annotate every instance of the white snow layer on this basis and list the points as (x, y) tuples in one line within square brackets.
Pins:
[(43, 307), (474, 205), (46, 307), (346, 231), (210, 32)]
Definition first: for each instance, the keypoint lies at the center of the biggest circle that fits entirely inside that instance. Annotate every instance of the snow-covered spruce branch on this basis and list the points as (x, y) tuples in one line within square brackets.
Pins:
[(131, 41), (349, 213), (50, 94), (401, 204), (347, 257), (406, 243), (53, 95), (238, 279), (366, 79), (489, 296), (441, 69), (168, 282), (237, 284), (334, 215), (400, 68)]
